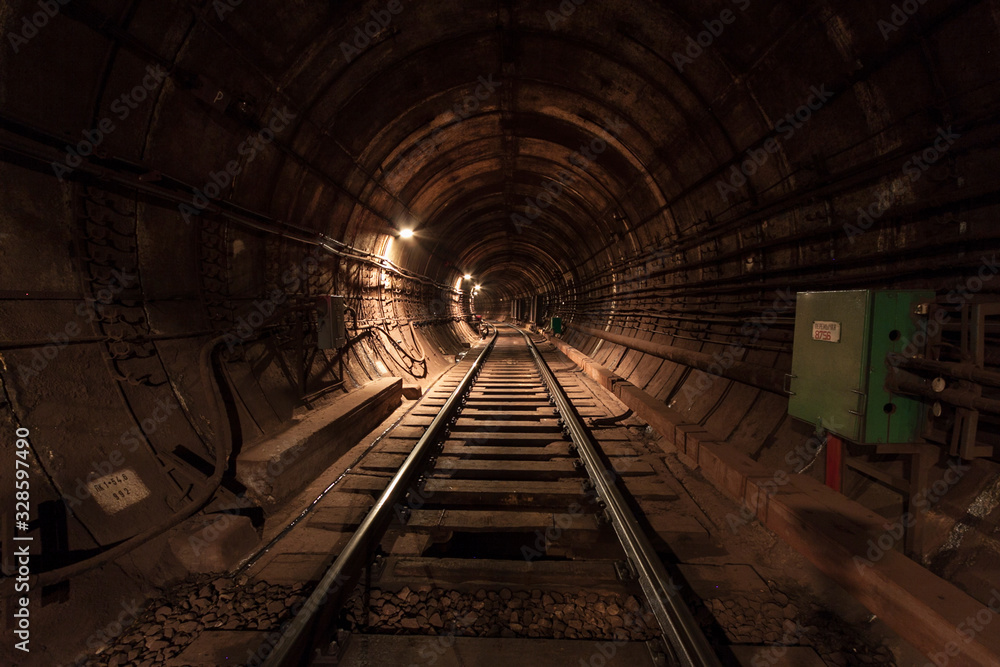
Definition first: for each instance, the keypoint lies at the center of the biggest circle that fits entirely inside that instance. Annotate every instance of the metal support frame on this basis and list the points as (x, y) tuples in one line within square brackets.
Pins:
[(680, 629), (957, 391), (923, 458), (973, 347)]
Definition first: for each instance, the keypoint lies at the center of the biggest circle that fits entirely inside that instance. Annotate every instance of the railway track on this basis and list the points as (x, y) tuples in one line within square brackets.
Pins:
[(492, 523), (500, 533)]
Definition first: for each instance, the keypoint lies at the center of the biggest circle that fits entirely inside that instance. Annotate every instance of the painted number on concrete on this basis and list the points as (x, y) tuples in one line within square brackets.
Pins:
[(117, 491), (828, 332)]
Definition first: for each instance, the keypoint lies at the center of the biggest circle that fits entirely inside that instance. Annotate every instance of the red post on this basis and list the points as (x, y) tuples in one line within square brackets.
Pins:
[(834, 458)]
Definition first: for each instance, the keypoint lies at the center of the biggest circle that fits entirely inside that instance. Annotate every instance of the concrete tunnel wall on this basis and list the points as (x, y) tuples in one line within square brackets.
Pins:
[(593, 156)]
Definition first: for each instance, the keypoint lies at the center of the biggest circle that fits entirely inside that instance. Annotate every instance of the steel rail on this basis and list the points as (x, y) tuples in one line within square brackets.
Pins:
[(680, 630), (310, 628)]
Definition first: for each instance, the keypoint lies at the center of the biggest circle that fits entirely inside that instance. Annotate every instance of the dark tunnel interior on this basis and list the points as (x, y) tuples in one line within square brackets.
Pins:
[(183, 179)]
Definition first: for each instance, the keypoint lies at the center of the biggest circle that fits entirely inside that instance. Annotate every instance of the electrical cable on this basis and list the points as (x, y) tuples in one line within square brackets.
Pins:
[(398, 346), (211, 376), (221, 406)]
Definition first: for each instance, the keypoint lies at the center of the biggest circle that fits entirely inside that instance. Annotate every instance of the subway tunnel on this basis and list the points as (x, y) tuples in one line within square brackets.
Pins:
[(660, 193)]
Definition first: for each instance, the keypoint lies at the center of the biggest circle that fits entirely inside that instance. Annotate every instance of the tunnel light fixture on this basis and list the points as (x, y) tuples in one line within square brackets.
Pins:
[(468, 276), (479, 286), (406, 233)]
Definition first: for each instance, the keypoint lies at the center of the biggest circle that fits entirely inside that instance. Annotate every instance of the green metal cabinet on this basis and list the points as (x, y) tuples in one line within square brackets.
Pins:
[(839, 363), (556, 325)]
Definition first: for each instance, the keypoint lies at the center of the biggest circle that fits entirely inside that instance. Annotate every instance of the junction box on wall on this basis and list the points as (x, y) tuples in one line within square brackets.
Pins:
[(331, 333), (839, 365)]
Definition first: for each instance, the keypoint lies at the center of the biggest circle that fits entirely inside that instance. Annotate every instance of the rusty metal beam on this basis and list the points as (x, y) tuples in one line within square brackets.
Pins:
[(905, 383), (959, 371)]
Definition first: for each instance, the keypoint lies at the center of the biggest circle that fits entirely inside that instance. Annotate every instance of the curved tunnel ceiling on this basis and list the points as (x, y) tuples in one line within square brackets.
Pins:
[(530, 144), (520, 141), (672, 170)]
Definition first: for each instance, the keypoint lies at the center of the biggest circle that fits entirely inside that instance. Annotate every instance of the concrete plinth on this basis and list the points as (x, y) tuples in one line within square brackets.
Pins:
[(281, 465)]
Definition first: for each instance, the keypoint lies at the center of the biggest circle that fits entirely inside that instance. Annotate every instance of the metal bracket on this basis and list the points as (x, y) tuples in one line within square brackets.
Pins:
[(963, 439), (861, 411), (377, 567), (787, 384), (332, 654), (658, 653), (626, 571), (404, 514)]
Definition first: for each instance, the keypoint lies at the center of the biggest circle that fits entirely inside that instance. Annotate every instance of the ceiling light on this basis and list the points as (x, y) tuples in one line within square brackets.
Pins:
[(405, 233), (467, 276)]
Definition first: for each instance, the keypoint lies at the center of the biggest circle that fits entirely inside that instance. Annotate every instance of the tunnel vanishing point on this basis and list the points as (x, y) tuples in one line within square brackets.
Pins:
[(235, 235)]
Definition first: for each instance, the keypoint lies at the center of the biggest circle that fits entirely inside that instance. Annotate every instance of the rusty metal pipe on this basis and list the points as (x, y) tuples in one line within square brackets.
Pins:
[(958, 371), (902, 382), (762, 377)]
